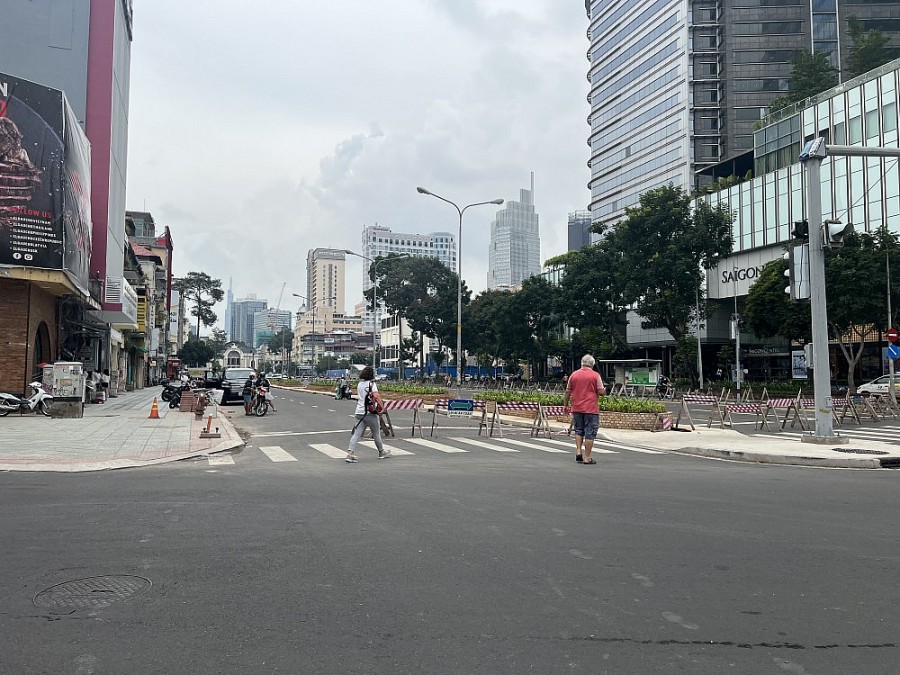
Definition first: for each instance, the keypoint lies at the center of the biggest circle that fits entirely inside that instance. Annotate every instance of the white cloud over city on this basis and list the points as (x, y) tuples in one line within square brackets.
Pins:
[(261, 130)]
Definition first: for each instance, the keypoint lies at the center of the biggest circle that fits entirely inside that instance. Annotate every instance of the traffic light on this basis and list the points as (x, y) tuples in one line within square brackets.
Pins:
[(797, 272), (801, 229), (833, 233)]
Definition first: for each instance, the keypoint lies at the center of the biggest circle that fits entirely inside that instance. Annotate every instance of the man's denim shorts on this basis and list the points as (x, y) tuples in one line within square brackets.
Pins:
[(586, 424)]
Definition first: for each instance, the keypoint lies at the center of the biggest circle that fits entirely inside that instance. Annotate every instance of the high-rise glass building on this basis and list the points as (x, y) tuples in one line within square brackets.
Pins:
[(515, 246), (677, 86), (242, 311), (579, 228), (379, 242), (267, 323)]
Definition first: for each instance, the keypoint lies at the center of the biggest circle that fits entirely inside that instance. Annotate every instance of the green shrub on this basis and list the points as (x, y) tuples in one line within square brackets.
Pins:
[(420, 389), (606, 403)]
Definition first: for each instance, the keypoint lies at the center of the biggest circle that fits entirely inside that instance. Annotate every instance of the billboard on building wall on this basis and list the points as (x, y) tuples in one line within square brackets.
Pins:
[(45, 217)]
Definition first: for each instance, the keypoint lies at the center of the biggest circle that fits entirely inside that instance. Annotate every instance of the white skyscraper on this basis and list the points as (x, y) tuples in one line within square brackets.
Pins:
[(378, 242), (515, 248)]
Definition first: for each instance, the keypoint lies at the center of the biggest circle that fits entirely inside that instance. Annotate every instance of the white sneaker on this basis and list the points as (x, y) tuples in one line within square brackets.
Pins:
[(351, 459), (384, 454)]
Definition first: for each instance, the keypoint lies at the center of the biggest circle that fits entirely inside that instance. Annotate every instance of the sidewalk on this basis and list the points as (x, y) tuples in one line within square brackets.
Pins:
[(113, 435)]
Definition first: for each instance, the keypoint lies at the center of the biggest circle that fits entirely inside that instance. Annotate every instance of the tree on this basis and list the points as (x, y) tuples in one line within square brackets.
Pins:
[(283, 339), (660, 250), (535, 313), (857, 306), (684, 361), (812, 74), (196, 353), (590, 295), (769, 311), (201, 290), (218, 341), (869, 51), (490, 325)]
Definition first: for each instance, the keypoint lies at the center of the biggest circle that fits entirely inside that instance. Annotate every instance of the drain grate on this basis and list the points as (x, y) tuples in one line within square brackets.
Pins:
[(860, 451), (91, 593)]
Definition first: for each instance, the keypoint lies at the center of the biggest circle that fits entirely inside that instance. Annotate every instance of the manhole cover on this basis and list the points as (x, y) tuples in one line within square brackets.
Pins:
[(859, 451), (91, 593)]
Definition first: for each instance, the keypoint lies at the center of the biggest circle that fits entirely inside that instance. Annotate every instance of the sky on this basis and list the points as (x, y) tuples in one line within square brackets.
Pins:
[(258, 131)]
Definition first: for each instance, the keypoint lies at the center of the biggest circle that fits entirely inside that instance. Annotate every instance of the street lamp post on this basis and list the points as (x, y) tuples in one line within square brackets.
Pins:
[(460, 211), (376, 263)]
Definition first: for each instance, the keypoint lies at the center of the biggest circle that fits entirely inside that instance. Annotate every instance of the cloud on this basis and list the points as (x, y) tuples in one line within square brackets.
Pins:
[(265, 134)]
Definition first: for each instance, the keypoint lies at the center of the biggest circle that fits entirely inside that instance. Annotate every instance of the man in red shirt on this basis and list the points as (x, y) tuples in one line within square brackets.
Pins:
[(583, 389)]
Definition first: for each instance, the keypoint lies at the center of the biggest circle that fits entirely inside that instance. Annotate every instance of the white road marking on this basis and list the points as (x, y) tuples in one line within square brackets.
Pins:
[(277, 454), (219, 460), (533, 446), (628, 447), (330, 450), (482, 444), (434, 446)]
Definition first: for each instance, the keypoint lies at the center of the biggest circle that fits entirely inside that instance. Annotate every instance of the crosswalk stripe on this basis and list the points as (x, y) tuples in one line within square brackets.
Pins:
[(482, 444), (397, 452), (219, 460), (434, 446), (277, 454), (330, 450), (533, 446), (887, 435), (631, 448)]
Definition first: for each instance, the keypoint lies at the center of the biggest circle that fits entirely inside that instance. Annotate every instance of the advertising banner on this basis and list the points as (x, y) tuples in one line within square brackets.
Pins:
[(44, 191)]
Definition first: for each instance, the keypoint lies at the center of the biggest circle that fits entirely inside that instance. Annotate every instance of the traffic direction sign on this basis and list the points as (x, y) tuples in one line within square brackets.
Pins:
[(460, 407), (893, 351), (892, 334)]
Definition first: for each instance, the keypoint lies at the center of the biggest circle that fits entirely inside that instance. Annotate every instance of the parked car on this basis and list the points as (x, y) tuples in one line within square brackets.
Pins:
[(233, 384), (880, 385)]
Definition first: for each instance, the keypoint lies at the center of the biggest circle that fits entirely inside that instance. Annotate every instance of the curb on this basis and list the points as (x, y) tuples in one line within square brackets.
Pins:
[(782, 460)]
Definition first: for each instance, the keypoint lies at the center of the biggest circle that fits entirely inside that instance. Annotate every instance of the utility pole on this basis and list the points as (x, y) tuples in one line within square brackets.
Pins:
[(822, 234)]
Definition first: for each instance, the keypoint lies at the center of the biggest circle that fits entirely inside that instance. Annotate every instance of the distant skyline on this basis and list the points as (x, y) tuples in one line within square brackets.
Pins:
[(330, 114)]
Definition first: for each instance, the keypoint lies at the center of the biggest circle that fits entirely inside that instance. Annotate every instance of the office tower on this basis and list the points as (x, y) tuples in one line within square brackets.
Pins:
[(267, 323), (229, 301), (242, 312), (325, 277), (379, 242), (677, 86), (515, 248), (579, 230)]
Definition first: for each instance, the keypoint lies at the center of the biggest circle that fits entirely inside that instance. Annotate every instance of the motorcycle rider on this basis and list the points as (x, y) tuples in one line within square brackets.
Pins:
[(263, 381)]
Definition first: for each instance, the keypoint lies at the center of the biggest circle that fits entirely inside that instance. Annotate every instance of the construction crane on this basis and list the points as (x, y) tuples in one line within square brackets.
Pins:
[(273, 318)]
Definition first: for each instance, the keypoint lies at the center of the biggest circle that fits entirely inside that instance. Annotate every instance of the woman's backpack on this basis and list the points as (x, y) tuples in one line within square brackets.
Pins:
[(373, 402)]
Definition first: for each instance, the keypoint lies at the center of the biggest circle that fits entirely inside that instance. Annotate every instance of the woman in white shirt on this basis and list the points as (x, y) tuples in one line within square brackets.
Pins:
[(364, 418)]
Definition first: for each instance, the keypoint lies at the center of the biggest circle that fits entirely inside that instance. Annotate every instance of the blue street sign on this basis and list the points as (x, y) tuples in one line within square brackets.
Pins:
[(893, 351)]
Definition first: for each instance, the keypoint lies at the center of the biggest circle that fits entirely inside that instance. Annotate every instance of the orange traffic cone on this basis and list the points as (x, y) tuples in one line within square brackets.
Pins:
[(154, 410)]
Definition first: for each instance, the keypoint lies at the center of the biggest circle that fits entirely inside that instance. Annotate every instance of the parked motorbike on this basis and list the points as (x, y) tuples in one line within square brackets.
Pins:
[(169, 390), (40, 400), (175, 395), (343, 391)]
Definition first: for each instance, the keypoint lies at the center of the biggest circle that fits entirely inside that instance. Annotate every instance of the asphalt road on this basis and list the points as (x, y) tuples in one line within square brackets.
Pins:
[(502, 559)]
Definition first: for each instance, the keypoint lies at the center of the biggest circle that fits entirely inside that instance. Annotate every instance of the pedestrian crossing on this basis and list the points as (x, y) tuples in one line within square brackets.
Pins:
[(883, 434), (423, 447)]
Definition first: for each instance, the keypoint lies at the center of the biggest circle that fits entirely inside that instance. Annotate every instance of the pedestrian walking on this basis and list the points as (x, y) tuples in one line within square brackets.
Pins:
[(368, 410), (248, 393), (583, 389)]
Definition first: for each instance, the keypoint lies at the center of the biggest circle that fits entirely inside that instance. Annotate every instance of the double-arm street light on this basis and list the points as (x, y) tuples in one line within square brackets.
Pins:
[(375, 325), (461, 211), (314, 306)]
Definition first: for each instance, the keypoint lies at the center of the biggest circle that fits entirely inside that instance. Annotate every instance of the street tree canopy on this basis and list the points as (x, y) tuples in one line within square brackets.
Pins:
[(196, 353), (202, 292), (659, 251), (871, 49), (812, 74)]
